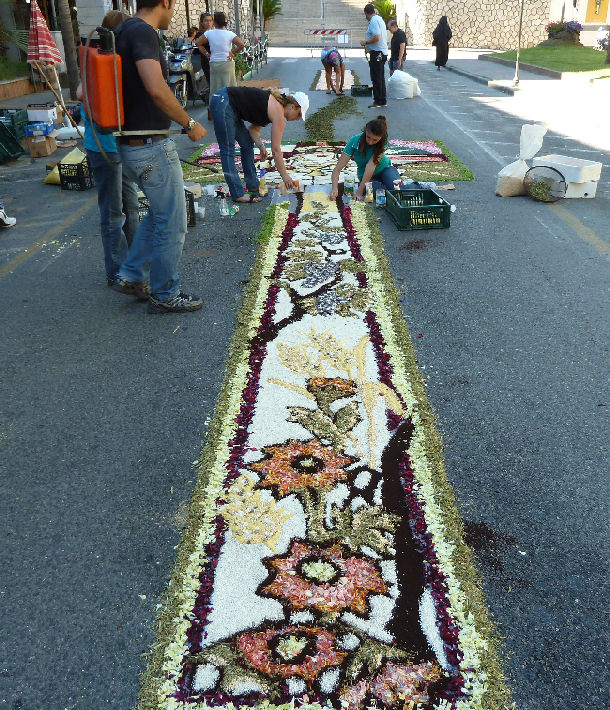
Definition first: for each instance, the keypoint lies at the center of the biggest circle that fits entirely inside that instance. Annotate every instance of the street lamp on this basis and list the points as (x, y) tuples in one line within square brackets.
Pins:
[(516, 78)]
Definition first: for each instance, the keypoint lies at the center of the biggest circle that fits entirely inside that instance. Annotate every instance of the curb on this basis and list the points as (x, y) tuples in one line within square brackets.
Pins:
[(483, 80), (522, 65)]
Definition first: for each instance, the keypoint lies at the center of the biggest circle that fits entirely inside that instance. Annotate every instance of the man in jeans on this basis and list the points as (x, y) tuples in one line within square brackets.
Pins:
[(151, 160), (398, 46), (377, 47)]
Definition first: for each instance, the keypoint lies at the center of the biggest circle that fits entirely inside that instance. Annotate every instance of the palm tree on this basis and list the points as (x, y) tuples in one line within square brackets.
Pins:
[(67, 36)]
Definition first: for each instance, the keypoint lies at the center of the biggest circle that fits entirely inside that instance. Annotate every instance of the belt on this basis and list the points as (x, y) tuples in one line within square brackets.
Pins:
[(143, 140)]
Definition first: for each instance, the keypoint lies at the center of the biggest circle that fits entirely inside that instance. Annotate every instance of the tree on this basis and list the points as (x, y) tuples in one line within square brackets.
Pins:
[(386, 9), (270, 8), (67, 36)]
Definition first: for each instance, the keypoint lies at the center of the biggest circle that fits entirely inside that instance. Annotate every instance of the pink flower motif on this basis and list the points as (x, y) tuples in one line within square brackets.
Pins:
[(290, 650), (393, 686), (328, 579)]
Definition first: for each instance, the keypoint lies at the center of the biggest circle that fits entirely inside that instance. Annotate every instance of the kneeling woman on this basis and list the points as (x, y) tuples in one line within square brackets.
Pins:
[(233, 105), (368, 151)]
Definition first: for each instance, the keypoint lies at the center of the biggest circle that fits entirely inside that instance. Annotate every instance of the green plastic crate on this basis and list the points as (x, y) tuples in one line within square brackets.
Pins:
[(361, 90), (16, 118), (10, 148), (418, 209)]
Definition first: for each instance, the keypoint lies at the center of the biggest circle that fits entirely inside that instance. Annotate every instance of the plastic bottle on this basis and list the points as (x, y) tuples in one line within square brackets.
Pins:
[(224, 209), (368, 195), (262, 185), (380, 198)]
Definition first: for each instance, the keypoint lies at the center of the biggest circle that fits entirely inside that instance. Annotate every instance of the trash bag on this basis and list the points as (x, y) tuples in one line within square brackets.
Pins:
[(510, 178), (402, 86)]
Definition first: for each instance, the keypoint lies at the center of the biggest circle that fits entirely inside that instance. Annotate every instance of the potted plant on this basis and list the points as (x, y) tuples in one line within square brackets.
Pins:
[(564, 31)]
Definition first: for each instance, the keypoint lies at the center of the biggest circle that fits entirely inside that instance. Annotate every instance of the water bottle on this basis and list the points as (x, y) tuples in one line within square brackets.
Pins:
[(380, 198), (224, 209)]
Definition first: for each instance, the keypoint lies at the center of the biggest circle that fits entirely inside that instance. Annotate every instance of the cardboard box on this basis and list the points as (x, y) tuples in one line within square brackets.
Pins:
[(40, 146), (39, 112)]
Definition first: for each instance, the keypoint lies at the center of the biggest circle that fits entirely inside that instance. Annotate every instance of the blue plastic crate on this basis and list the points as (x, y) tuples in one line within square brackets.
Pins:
[(38, 129)]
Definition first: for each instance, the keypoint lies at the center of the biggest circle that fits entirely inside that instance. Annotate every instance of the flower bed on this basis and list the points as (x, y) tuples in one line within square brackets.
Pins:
[(323, 563)]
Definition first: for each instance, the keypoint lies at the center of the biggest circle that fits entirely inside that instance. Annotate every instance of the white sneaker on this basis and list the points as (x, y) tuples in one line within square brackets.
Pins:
[(5, 220)]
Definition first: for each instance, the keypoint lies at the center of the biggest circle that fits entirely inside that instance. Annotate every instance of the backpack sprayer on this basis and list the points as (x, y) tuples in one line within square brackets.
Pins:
[(102, 80)]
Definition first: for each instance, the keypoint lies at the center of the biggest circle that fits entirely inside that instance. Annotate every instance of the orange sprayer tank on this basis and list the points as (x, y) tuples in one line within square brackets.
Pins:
[(101, 86)]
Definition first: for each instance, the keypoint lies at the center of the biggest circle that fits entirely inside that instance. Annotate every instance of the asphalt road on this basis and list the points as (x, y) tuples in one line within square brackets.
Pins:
[(104, 409)]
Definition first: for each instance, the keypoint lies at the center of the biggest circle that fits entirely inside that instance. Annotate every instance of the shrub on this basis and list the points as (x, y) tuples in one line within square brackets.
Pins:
[(386, 9)]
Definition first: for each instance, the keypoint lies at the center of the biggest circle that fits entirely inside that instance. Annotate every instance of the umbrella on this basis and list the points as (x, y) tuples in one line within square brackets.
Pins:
[(41, 45)]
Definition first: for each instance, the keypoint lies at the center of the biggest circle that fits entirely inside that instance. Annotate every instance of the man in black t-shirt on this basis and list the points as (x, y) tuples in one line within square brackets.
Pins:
[(398, 47), (150, 159)]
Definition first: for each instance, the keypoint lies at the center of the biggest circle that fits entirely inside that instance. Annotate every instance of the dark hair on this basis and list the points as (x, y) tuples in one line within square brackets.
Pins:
[(205, 14), (378, 127), (192, 30), (148, 4), (220, 19), (392, 23), (369, 9)]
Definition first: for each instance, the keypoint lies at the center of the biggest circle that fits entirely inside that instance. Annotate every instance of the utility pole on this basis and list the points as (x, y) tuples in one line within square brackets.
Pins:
[(516, 78), (67, 36)]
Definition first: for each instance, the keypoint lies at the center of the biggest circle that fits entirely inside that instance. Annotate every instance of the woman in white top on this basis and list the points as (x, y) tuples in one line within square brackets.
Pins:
[(222, 45)]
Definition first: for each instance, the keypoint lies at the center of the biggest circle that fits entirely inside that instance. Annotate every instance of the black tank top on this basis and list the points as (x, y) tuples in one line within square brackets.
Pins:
[(250, 104)]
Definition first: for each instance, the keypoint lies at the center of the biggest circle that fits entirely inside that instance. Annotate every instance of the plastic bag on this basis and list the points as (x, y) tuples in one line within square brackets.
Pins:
[(510, 178), (402, 86)]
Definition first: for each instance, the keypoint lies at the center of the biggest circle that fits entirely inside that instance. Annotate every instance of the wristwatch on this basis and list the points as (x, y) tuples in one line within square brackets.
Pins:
[(190, 125)]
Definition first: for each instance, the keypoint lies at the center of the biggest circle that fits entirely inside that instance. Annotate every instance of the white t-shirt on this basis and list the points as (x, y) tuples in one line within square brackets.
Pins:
[(220, 44)]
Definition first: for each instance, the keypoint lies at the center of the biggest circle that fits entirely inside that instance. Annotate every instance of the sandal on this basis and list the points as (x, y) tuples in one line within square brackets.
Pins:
[(328, 91), (251, 198), (340, 93)]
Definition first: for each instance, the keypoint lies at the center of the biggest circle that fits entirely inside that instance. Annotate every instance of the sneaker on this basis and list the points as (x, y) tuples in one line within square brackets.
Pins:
[(5, 220), (139, 289), (180, 303)]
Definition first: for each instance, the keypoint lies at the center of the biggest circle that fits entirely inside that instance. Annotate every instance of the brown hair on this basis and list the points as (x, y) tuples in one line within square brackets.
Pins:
[(220, 19), (192, 31), (284, 99), (113, 19), (378, 127)]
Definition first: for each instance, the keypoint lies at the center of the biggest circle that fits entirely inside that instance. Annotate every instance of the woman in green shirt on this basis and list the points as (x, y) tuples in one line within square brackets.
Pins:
[(368, 151)]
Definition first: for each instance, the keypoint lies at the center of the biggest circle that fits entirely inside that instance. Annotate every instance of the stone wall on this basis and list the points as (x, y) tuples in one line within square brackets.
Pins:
[(490, 24), (178, 27)]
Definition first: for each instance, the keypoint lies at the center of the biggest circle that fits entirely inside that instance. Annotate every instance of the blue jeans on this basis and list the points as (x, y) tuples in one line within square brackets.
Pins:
[(117, 199), (393, 65), (229, 128), (385, 179), (159, 239)]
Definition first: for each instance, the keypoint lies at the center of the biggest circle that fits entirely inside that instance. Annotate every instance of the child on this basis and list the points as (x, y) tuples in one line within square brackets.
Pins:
[(368, 151)]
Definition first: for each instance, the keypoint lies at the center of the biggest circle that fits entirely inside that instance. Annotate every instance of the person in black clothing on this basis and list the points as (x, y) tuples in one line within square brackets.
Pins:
[(440, 39), (150, 159), (230, 107), (398, 47)]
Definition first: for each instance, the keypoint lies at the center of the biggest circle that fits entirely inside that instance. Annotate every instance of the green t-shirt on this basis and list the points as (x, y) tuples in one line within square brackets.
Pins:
[(351, 149)]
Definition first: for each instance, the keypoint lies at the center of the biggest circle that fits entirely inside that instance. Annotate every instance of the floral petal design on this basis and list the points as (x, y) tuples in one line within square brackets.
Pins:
[(290, 650), (298, 465), (394, 686), (328, 579)]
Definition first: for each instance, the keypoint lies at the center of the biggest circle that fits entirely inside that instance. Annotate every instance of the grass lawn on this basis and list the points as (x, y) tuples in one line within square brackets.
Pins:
[(563, 58), (12, 69)]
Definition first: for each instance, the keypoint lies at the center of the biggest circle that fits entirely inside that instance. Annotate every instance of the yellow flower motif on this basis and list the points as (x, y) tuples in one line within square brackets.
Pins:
[(252, 518)]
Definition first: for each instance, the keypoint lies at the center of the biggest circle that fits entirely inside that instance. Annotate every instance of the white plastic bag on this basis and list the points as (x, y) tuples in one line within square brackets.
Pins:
[(510, 178), (402, 86)]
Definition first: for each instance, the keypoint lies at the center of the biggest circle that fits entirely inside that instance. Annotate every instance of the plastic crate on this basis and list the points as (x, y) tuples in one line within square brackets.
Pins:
[(418, 209), (10, 148), (75, 176), (144, 204), (15, 118), (39, 129), (361, 90)]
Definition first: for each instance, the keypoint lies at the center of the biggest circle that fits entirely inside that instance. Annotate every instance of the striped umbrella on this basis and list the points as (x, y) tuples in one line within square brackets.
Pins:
[(41, 45)]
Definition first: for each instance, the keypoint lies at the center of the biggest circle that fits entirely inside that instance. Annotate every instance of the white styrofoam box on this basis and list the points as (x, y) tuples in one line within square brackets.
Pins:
[(581, 189), (44, 115), (572, 169)]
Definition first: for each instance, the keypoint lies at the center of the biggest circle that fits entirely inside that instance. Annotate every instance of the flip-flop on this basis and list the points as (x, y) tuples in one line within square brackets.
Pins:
[(328, 91), (340, 93), (251, 198)]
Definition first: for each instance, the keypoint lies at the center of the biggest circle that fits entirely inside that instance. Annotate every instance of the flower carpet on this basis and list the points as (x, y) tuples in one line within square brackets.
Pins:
[(322, 563), (348, 81), (313, 162)]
